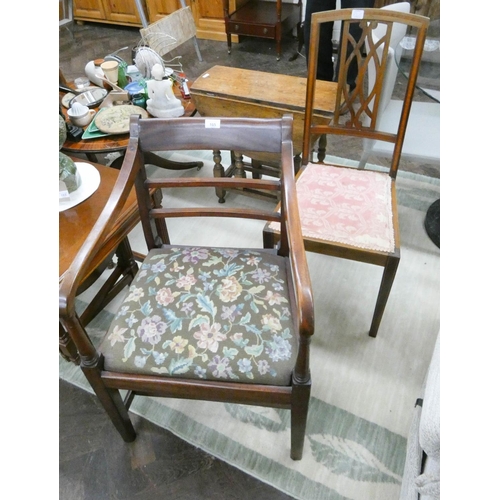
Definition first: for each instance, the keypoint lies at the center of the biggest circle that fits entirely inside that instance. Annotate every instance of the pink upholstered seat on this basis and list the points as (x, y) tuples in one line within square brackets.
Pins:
[(346, 205)]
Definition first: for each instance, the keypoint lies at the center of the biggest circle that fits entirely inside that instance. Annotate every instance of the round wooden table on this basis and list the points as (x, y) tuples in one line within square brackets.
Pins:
[(119, 142)]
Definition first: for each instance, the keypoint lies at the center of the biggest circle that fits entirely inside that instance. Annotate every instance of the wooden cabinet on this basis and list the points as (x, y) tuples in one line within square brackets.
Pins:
[(156, 9), (107, 11), (208, 14), (122, 12), (209, 18), (88, 9)]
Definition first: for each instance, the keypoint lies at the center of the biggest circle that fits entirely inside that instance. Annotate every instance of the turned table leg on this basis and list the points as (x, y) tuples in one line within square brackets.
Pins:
[(219, 171)]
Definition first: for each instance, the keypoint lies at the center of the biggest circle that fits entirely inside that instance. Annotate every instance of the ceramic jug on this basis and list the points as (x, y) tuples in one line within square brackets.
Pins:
[(80, 115)]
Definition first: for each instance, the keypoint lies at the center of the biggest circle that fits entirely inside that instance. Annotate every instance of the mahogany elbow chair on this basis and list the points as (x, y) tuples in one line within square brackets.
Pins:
[(201, 322), (346, 212)]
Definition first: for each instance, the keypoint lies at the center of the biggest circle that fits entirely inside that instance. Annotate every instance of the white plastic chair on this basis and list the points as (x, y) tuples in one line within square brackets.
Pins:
[(422, 138)]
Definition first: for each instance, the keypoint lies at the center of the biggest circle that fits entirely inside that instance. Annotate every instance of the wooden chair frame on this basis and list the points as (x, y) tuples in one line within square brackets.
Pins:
[(358, 106), (271, 135)]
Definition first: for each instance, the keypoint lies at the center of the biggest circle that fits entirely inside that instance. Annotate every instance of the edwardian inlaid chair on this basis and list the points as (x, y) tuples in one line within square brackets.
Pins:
[(217, 323), (348, 212)]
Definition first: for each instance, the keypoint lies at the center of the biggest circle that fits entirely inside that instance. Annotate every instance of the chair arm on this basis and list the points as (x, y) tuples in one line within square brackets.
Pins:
[(75, 274), (298, 259)]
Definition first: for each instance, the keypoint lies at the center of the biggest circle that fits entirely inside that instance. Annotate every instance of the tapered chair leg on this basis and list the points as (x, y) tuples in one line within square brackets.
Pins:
[(385, 289), (300, 405), (112, 403)]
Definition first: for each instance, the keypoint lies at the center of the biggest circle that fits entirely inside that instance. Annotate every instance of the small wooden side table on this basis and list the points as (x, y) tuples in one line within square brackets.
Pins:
[(230, 92), (262, 19)]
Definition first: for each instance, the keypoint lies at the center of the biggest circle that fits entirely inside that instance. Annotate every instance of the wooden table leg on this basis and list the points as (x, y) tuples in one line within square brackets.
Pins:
[(322, 147), (92, 157), (219, 171), (239, 167), (122, 275), (239, 170), (67, 348), (256, 169)]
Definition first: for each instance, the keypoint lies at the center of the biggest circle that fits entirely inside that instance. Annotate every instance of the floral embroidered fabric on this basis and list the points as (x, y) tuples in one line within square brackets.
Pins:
[(346, 205), (195, 312)]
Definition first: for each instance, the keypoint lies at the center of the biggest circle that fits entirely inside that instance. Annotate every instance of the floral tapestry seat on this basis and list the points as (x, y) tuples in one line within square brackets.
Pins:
[(206, 313)]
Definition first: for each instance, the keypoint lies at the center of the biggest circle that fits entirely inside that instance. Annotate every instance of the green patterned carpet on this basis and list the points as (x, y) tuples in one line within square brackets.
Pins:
[(363, 389)]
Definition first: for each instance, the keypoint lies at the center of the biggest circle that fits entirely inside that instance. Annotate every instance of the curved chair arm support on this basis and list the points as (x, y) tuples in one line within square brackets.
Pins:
[(77, 271), (298, 260)]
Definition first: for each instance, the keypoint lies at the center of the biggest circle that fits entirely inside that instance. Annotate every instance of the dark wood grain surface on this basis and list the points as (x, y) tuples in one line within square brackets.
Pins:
[(230, 91), (76, 223)]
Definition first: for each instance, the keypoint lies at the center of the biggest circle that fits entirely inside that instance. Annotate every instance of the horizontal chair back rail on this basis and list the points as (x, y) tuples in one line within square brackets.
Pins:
[(184, 139), (208, 212)]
